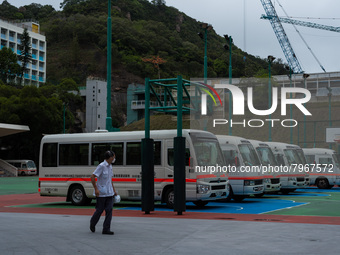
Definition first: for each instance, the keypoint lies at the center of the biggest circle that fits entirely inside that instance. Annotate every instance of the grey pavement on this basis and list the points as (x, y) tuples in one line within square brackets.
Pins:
[(28, 234)]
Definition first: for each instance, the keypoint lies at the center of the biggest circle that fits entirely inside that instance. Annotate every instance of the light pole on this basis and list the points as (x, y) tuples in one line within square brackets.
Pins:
[(305, 76), (291, 106), (229, 45), (108, 72), (270, 61), (206, 28), (330, 109)]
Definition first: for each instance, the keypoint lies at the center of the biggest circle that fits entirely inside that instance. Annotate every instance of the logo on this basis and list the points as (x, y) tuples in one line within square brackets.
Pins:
[(204, 97), (239, 103)]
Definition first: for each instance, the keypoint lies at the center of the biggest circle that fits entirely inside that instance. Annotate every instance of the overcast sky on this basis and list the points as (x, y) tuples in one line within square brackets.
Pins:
[(241, 20)]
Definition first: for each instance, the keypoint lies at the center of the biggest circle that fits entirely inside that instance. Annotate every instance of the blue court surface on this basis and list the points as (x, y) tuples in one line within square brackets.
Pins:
[(317, 190), (248, 206), (268, 203)]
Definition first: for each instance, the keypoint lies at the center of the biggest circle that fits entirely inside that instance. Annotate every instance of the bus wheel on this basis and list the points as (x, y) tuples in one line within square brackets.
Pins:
[(22, 173), (230, 195), (200, 203), (78, 196), (323, 183), (169, 198)]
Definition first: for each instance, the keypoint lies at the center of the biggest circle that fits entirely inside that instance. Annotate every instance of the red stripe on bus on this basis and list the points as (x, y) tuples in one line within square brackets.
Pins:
[(124, 179), (113, 179), (202, 176), (246, 178), (291, 175)]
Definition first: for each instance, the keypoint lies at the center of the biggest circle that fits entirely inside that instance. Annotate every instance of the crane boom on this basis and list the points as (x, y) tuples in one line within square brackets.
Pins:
[(303, 23), (282, 36)]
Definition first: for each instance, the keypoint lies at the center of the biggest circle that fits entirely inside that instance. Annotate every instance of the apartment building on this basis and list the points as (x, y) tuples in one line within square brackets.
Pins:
[(11, 32)]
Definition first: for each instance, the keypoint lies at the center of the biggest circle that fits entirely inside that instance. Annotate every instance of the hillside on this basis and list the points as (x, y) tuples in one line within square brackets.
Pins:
[(76, 42)]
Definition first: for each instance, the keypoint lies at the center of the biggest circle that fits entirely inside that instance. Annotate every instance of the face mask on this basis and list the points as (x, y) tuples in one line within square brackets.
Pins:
[(113, 161)]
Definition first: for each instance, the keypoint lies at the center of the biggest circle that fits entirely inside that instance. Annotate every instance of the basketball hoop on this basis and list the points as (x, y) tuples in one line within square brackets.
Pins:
[(337, 138)]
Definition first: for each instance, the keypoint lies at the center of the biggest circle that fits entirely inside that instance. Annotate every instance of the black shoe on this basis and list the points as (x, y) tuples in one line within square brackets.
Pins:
[(92, 228), (107, 233)]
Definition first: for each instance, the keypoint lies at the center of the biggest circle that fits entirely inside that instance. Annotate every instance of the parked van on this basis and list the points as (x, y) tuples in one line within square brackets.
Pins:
[(324, 167), (271, 178), (292, 172), (24, 166), (245, 176), (68, 160)]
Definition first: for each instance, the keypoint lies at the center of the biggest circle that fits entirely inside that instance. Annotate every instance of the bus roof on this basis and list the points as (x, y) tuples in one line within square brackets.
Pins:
[(314, 151), (122, 136), (226, 139)]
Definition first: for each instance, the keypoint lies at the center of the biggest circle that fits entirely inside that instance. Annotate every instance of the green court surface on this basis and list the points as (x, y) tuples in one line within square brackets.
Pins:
[(19, 185), (315, 205)]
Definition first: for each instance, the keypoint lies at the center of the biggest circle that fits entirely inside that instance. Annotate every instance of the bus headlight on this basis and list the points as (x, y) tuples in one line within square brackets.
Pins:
[(292, 179), (202, 189), (249, 183)]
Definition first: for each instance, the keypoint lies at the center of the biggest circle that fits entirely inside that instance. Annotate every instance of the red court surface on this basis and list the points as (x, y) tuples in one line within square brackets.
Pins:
[(8, 203)]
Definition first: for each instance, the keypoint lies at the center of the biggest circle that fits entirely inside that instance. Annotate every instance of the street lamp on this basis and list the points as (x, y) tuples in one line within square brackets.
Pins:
[(108, 73), (305, 76), (291, 106), (330, 109), (206, 28), (270, 61), (229, 46)]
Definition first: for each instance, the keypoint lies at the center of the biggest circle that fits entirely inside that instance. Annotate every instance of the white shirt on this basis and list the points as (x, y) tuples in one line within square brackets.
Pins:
[(104, 176)]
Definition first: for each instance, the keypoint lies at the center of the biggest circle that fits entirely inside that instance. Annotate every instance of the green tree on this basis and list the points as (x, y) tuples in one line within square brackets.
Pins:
[(9, 68), (25, 56)]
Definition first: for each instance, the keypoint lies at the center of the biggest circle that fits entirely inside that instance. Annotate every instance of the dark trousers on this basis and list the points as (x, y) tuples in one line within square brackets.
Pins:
[(103, 203)]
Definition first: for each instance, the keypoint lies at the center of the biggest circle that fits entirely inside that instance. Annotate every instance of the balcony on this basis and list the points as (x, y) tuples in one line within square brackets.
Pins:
[(140, 104), (34, 77), (41, 79), (41, 59)]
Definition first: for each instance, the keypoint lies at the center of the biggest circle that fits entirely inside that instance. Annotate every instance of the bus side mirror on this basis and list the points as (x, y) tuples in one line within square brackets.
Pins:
[(236, 161)]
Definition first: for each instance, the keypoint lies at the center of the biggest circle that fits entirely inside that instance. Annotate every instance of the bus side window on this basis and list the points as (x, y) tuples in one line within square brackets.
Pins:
[(98, 150), (74, 154), (49, 155), (133, 153)]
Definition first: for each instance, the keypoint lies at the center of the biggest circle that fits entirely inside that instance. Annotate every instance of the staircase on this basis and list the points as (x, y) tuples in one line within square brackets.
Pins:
[(7, 170)]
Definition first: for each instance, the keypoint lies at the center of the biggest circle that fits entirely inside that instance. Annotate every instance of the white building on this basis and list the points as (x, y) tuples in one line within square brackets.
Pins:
[(11, 33), (96, 98)]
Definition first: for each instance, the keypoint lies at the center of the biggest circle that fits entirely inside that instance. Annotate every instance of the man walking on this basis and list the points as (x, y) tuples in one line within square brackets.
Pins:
[(104, 192)]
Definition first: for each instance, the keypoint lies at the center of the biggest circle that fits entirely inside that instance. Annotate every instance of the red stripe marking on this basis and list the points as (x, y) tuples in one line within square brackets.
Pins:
[(113, 179), (246, 178), (202, 176)]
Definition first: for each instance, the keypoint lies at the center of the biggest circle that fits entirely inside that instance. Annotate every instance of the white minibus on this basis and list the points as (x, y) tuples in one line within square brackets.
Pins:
[(245, 176), (24, 166), (268, 162), (68, 160), (292, 170), (324, 169)]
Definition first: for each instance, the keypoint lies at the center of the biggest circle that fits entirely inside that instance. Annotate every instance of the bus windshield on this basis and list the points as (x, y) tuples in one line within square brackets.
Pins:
[(336, 158), (249, 155), (266, 156), (302, 156), (208, 152), (292, 157), (30, 164)]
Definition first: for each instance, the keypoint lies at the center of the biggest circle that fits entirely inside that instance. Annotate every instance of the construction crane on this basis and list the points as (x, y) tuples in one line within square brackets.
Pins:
[(282, 36), (304, 23), (298, 23)]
